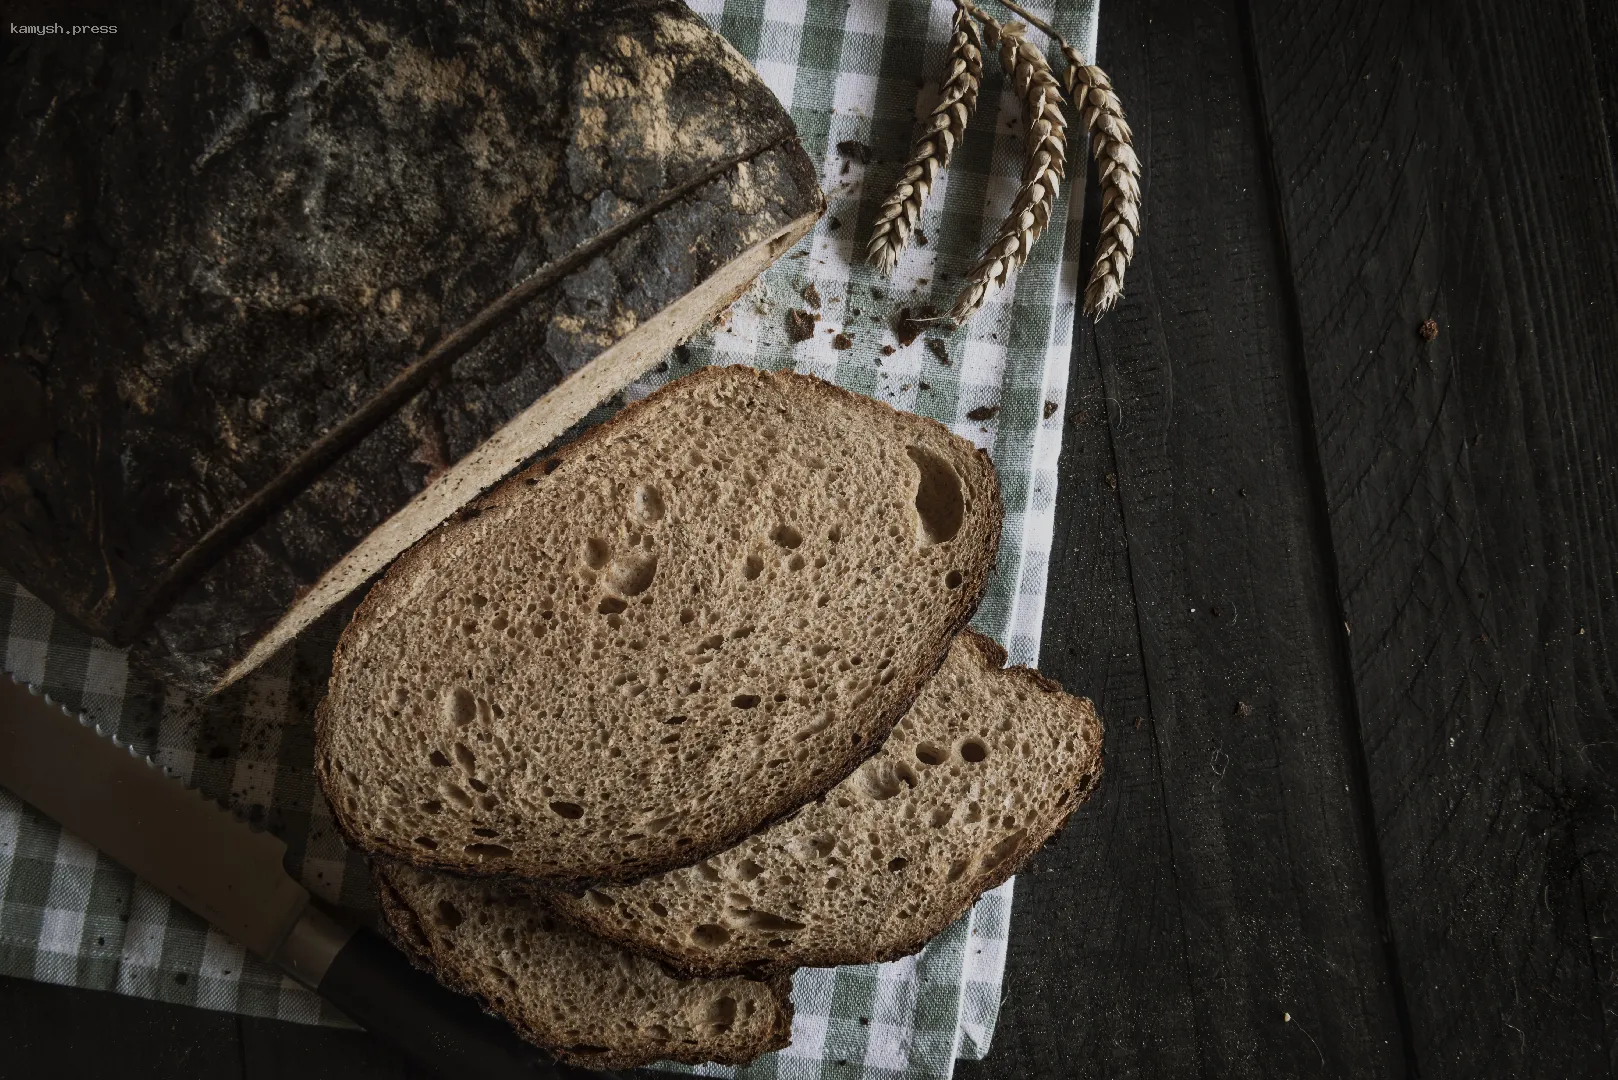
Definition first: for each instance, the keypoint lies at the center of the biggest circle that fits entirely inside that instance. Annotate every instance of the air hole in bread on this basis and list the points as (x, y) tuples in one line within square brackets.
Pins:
[(786, 536), (709, 935), (458, 796), (610, 605), (596, 552), (600, 899), (747, 869), (487, 834), (707, 870), (551, 465), (752, 567), (477, 785), (929, 754), (882, 780), (974, 750), (633, 575), (658, 909), (488, 851), (997, 856), (795, 563), (448, 915), (835, 534), (427, 842), (957, 869), (898, 863), (768, 921), (686, 616), (745, 701), (464, 755), (941, 816), (460, 706), (952, 580), (940, 504), (675, 720), (722, 1014), (571, 811), (649, 503), (659, 1032)]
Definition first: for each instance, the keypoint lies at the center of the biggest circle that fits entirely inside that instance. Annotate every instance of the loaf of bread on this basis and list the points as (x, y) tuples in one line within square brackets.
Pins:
[(983, 769), (587, 1002), (692, 621)]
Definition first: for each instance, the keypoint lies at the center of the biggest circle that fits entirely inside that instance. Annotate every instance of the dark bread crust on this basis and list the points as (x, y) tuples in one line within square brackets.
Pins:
[(815, 952), (978, 477), (407, 932)]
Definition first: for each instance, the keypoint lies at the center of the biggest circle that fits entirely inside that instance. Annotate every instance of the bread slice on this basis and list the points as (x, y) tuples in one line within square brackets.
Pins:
[(587, 1002), (689, 623), (984, 769)]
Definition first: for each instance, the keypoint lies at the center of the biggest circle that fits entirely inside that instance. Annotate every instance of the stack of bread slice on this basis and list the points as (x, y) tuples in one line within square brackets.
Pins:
[(691, 704)]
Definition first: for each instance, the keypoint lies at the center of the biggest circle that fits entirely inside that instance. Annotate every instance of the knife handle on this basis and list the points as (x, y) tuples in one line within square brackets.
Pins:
[(379, 989)]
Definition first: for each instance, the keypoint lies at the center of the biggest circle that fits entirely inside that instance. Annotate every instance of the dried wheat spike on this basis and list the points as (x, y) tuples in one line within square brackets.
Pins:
[(1119, 172), (932, 149), (1044, 165), (1117, 167)]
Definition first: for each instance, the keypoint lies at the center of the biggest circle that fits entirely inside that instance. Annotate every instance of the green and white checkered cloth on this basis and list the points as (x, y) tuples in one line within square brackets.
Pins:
[(851, 71)]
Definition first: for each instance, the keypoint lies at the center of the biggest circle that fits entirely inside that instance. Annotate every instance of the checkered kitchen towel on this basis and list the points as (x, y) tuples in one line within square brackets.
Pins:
[(856, 74)]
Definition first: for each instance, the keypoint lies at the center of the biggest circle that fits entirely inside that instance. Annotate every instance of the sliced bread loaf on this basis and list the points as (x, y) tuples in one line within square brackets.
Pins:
[(689, 623), (983, 769), (588, 1002)]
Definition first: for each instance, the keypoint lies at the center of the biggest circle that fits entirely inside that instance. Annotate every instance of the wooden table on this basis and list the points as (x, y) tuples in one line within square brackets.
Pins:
[(1346, 596)]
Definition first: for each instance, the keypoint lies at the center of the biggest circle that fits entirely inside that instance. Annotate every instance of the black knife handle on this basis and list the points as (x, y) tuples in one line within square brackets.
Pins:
[(379, 989)]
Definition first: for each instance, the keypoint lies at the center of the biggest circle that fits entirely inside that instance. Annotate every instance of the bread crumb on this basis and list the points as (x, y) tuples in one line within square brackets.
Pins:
[(939, 349), (800, 325), (983, 412), (887, 350), (1428, 330), (811, 295), (1050, 409), (854, 150), (912, 321), (842, 341)]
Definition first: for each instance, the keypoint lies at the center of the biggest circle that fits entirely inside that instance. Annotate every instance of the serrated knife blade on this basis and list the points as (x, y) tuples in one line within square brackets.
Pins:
[(199, 853), (126, 805)]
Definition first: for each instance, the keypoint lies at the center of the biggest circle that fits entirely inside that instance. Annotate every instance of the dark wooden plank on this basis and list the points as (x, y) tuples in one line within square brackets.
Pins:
[(57, 1033), (1096, 977), (49, 1032), (1452, 161), (1245, 940)]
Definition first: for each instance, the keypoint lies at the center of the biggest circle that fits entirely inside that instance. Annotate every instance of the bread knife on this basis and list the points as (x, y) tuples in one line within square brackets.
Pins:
[(198, 853)]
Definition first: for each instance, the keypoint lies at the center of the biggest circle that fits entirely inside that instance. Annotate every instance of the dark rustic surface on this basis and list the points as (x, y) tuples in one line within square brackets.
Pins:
[(226, 229), (1290, 870)]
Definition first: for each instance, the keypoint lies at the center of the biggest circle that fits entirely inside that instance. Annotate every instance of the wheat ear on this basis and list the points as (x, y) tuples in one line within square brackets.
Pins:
[(958, 96), (1044, 164), (1117, 167)]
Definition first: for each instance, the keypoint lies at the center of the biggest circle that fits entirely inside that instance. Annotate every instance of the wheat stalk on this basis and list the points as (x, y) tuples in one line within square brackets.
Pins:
[(1117, 167), (958, 97), (1044, 162)]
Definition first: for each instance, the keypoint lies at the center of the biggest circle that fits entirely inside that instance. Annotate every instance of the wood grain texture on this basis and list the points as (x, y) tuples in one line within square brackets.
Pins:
[(256, 217), (1244, 940), (1451, 161), (59, 1033)]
